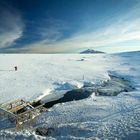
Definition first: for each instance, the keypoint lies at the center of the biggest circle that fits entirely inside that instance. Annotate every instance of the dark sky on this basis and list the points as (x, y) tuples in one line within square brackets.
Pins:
[(63, 26)]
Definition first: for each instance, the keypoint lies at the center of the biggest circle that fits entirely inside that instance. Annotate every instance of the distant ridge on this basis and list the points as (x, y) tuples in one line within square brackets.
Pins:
[(128, 52), (90, 51)]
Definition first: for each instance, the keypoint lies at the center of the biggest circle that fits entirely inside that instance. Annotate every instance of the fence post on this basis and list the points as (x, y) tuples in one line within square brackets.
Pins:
[(17, 123)]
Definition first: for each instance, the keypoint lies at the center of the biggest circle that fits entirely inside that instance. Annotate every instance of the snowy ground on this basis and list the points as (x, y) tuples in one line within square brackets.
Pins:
[(46, 77)]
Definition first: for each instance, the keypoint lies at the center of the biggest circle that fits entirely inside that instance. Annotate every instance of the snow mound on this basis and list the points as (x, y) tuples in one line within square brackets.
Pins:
[(65, 86)]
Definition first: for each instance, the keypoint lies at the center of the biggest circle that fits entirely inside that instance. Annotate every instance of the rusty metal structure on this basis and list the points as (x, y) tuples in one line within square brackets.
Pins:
[(20, 111)]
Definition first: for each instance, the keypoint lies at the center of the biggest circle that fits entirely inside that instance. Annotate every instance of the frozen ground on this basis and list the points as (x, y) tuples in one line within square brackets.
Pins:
[(46, 77)]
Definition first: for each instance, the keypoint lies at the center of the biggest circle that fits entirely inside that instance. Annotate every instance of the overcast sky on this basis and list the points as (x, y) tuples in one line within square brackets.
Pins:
[(69, 26)]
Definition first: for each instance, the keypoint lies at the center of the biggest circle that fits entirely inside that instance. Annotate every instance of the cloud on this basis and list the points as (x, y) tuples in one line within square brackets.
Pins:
[(11, 26), (122, 29), (53, 29)]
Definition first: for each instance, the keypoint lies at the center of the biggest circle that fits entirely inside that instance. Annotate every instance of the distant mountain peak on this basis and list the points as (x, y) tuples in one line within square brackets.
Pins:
[(90, 51)]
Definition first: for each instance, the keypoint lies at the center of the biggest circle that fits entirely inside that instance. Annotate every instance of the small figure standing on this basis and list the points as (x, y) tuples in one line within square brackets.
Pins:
[(15, 68)]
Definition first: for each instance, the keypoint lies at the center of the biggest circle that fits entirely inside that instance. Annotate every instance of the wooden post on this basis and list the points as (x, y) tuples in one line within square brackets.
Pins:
[(17, 123), (83, 78)]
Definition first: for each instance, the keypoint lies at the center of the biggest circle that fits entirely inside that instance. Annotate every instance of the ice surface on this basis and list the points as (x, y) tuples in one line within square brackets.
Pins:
[(103, 117)]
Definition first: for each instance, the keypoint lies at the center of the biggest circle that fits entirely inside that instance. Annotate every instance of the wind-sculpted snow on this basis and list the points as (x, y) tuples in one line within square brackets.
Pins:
[(38, 73), (96, 117)]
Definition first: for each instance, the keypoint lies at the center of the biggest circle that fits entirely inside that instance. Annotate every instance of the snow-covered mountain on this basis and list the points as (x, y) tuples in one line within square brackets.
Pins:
[(47, 77), (90, 51)]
